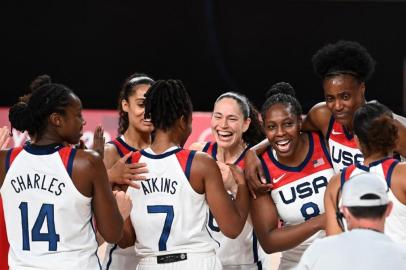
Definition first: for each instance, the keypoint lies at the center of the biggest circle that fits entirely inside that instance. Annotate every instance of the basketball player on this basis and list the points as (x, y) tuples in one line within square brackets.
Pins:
[(344, 68), (48, 181), (376, 135), (298, 166), (234, 126), (4, 246), (135, 133), (169, 216)]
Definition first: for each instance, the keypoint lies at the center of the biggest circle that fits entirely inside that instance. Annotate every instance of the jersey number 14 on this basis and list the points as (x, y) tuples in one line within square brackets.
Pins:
[(46, 212)]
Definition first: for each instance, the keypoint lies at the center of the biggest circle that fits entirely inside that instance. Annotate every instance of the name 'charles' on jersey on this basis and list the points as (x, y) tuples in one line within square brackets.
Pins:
[(49, 222)]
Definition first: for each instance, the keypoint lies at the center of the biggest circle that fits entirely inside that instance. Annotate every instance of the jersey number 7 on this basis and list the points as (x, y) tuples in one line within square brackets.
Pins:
[(163, 209)]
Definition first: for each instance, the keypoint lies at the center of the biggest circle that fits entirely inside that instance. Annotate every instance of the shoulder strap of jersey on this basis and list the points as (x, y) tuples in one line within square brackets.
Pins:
[(211, 149), (135, 157), (388, 166), (266, 170), (11, 155), (185, 158), (319, 137), (121, 149), (330, 127), (67, 155), (346, 173)]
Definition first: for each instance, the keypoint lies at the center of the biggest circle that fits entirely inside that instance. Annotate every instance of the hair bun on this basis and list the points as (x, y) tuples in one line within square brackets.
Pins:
[(20, 116), (40, 81), (281, 88)]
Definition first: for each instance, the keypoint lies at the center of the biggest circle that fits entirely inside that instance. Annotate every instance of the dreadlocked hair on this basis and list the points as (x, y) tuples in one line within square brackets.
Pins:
[(344, 57), (127, 90), (165, 102), (32, 116)]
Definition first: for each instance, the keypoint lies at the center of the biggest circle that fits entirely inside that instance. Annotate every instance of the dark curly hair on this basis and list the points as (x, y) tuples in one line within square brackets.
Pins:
[(127, 90), (374, 125), (254, 134), (165, 102), (343, 57), (31, 113), (282, 93)]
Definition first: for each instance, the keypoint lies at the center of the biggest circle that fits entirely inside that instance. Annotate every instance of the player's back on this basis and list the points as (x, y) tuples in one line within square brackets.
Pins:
[(49, 222), (395, 226), (168, 215)]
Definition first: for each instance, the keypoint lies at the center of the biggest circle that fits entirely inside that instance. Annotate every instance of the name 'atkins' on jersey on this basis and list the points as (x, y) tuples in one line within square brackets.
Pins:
[(159, 184)]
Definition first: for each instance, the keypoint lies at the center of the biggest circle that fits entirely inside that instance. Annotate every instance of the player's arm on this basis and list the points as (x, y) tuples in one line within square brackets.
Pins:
[(398, 185), (119, 171), (128, 238), (254, 173), (230, 215), (330, 205), (265, 219), (400, 123), (317, 119), (92, 180), (3, 154)]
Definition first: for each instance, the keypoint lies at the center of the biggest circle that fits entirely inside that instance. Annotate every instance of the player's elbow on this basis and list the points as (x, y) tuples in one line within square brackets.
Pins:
[(114, 237), (234, 231), (114, 233)]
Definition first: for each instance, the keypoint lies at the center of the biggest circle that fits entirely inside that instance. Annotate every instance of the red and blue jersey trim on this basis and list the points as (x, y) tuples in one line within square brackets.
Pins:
[(317, 159), (388, 165), (11, 155), (211, 149), (338, 133), (67, 155), (122, 147)]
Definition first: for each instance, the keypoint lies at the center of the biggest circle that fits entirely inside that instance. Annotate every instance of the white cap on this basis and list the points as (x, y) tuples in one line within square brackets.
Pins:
[(357, 187)]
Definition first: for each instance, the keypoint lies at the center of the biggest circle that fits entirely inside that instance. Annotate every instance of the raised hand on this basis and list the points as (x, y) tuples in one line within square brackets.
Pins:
[(123, 173), (99, 140), (254, 173), (4, 137)]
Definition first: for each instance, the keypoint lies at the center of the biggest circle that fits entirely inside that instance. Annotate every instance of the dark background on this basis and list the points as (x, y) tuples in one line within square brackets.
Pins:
[(213, 46)]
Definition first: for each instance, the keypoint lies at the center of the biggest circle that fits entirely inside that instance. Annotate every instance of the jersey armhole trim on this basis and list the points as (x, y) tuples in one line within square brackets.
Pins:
[(69, 165), (189, 163), (390, 171)]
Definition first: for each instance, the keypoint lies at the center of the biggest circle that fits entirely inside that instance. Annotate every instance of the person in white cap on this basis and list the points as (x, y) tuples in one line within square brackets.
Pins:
[(365, 206)]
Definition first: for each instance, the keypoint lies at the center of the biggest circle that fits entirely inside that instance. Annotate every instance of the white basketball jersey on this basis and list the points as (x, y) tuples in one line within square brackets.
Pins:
[(343, 149), (245, 250), (168, 215), (48, 221), (395, 225), (298, 192)]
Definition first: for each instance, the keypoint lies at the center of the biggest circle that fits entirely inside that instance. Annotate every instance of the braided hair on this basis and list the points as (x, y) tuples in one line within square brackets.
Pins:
[(31, 112), (165, 102), (127, 90)]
